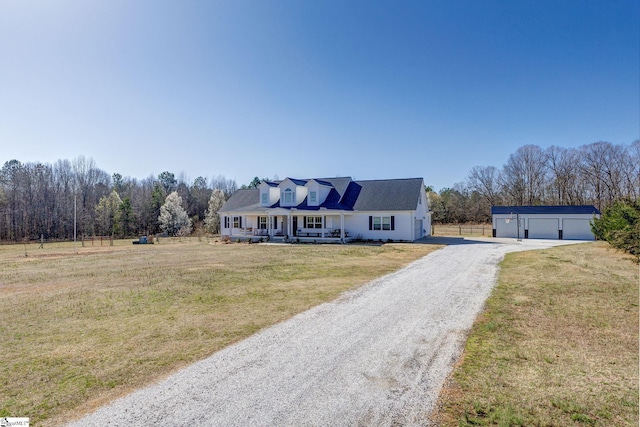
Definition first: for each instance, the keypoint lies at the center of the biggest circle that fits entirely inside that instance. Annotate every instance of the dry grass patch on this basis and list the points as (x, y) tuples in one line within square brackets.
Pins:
[(79, 330), (556, 346)]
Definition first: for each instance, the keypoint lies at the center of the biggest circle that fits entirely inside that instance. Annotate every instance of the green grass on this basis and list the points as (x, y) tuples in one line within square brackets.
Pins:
[(556, 346), (78, 330)]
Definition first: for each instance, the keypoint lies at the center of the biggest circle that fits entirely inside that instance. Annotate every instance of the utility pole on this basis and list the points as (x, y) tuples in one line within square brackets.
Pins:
[(517, 218)]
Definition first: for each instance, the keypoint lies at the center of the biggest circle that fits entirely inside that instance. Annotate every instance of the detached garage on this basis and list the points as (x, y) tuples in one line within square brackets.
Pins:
[(544, 222)]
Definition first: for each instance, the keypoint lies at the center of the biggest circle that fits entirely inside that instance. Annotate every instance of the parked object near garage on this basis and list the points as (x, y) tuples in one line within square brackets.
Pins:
[(544, 222)]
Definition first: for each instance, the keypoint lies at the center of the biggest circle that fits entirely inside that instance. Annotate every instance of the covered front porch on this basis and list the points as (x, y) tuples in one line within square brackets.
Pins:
[(291, 225)]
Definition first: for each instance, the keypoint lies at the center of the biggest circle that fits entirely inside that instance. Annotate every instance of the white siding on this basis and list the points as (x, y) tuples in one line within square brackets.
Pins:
[(545, 226), (274, 195), (358, 225)]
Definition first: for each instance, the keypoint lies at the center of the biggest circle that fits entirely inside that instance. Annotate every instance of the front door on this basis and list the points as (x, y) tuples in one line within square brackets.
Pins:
[(295, 225)]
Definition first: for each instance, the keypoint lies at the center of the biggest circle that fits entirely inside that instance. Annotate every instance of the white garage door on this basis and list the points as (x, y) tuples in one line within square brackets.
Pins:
[(543, 228), (577, 229), (504, 229)]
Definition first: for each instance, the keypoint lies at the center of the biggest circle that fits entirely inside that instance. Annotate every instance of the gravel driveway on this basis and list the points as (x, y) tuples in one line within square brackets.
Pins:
[(376, 356)]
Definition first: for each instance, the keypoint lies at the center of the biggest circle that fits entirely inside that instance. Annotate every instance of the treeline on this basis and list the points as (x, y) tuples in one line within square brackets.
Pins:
[(37, 199), (600, 173)]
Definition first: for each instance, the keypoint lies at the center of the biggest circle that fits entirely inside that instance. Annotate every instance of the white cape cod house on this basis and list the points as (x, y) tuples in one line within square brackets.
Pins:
[(328, 209)]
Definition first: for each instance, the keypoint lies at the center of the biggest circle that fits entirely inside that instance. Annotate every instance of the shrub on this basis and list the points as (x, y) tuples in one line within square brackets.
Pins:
[(620, 226)]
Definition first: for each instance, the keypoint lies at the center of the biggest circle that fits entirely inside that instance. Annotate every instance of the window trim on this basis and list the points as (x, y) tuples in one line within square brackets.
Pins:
[(288, 196), (262, 223), (386, 223), (313, 221), (377, 223), (382, 222)]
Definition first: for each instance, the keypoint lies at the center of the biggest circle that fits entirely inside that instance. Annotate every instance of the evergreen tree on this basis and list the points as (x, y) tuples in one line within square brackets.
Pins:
[(127, 217)]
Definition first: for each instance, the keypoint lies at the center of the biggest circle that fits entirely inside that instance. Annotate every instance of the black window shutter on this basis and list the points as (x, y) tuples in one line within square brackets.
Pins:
[(393, 222), (305, 222), (370, 222), (240, 221), (274, 224)]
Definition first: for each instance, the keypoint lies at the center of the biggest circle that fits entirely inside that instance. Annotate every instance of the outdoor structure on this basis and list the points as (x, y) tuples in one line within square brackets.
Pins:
[(328, 209), (544, 222)]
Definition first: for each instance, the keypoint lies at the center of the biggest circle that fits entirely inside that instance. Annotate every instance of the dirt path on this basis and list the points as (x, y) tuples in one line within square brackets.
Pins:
[(376, 356)]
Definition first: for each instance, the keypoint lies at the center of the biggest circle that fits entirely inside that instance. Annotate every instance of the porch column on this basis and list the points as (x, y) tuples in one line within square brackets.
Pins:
[(342, 226), (269, 224), (322, 225)]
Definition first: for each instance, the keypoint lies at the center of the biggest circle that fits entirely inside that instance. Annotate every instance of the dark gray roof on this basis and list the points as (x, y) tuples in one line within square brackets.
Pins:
[(346, 194), (243, 200), (555, 210), (388, 195), (340, 183)]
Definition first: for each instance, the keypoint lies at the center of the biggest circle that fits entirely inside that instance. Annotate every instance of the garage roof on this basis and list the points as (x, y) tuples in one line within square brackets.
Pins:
[(553, 210)]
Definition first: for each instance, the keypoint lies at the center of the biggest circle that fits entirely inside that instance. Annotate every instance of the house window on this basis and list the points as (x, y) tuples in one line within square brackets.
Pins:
[(288, 196), (377, 223), (264, 198), (386, 223), (226, 222), (262, 222), (237, 221), (313, 198), (313, 222), (381, 223)]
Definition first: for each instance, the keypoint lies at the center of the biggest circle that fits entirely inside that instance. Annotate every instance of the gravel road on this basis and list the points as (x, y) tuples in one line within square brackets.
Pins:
[(376, 356)]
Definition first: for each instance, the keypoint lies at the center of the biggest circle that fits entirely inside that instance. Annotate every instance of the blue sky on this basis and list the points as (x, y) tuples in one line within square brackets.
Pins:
[(368, 89)]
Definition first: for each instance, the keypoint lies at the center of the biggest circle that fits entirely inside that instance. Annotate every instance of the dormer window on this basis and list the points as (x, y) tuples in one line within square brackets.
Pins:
[(313, 197), (264, 198), (288, 196)]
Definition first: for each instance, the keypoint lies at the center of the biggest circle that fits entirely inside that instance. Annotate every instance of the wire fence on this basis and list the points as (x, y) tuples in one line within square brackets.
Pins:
[(462, 230)]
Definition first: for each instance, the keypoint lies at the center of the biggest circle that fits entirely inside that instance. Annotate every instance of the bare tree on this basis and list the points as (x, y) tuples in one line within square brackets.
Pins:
[(486, 182), (600, 164), (523, 176), (91, 183), (631, 171), (562, 176)]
